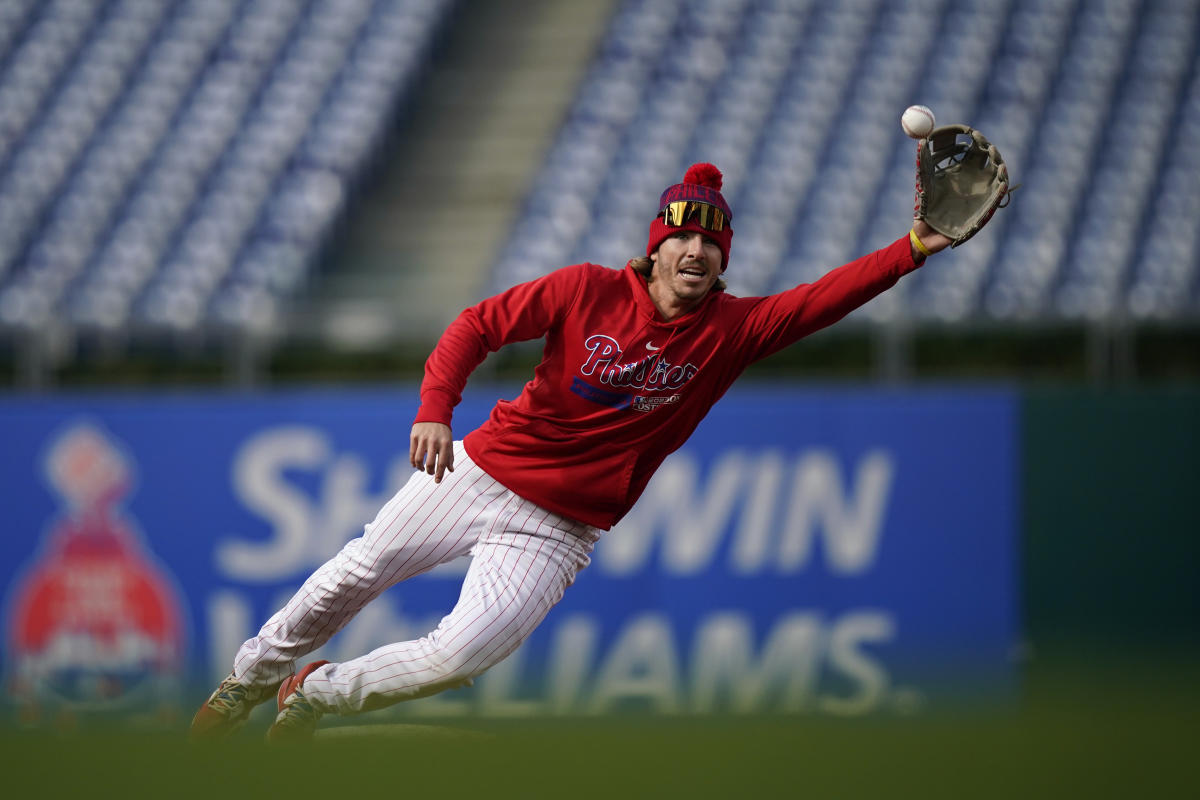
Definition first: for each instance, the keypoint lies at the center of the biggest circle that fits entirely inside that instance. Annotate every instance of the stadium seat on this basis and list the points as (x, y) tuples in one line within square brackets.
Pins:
[(152, 155), (799, 106), (178, 167)]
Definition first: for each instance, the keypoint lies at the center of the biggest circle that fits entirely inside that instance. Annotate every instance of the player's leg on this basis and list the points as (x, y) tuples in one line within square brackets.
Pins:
[(519, 571), (423, 525)]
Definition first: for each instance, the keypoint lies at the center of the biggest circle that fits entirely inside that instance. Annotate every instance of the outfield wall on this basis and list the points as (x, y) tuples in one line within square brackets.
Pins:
[(821, 551), (1111, 520)]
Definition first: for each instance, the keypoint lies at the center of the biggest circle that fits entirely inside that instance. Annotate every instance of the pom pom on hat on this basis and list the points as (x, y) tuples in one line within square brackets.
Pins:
[(701, 183), (704, 174)]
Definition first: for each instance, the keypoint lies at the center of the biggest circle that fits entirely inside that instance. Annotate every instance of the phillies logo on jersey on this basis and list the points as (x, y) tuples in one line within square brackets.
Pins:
[(651, 372), (95, 623)]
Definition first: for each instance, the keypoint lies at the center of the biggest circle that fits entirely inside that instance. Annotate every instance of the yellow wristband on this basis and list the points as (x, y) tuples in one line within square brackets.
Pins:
[(917, 243)]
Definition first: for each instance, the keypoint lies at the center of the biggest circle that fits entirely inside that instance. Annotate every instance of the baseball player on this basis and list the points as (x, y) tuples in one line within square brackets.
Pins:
[(633, 360)]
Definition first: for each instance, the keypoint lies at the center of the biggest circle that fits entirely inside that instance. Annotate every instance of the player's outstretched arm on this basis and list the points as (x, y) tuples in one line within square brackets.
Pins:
[(431, 448)]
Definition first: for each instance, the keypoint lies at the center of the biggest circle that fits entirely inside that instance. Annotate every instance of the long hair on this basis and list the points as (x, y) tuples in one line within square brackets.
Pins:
[(643, 266)]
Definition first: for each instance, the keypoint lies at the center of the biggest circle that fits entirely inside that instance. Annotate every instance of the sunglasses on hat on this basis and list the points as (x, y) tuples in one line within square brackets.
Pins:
[(681, 212)]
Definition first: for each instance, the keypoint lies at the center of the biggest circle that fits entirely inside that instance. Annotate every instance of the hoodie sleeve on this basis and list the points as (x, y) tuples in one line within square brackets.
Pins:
[(774, 322), (526, 311)]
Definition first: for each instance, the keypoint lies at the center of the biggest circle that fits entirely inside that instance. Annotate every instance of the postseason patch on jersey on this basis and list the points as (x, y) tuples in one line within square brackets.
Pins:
[(644, 403)]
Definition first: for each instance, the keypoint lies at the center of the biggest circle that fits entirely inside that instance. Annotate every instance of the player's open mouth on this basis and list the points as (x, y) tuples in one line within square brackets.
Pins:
[(692, 273)]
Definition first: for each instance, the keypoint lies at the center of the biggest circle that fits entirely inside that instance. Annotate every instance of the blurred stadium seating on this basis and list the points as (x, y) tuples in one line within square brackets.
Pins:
[(1092, 103), (172, 168)]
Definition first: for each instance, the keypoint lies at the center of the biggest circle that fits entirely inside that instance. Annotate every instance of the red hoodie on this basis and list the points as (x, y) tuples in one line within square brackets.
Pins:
[(619, 388)]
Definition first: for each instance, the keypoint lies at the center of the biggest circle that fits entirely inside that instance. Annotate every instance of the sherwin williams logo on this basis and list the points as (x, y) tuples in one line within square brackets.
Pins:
[(94, 623)]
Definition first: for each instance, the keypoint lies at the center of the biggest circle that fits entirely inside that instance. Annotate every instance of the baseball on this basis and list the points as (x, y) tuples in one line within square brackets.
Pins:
[(917, 121)]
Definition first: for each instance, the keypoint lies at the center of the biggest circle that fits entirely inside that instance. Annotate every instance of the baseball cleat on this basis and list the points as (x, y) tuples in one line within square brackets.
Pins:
[(297, 718), (227, 709)]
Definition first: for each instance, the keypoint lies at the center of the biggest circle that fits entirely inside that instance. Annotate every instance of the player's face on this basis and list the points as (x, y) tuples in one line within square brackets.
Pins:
[(686, 265)]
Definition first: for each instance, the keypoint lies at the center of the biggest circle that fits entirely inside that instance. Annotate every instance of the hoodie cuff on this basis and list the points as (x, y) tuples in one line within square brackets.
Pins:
[(437, 405)]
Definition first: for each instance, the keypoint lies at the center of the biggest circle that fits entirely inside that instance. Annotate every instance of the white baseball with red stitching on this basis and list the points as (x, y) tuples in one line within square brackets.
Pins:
[(917, 122)]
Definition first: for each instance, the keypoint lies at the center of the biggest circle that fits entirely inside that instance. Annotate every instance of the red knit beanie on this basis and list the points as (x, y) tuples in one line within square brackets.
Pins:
[(702, 183)]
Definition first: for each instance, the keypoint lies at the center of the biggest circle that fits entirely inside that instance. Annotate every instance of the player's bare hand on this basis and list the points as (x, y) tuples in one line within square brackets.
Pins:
[(431, 448), (932, 240)]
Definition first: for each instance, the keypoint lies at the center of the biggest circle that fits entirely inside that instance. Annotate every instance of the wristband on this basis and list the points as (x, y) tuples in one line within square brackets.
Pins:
[(917, 243)]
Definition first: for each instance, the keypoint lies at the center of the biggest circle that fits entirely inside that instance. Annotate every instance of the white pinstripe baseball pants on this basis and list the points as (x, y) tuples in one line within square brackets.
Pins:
[(524, 558)]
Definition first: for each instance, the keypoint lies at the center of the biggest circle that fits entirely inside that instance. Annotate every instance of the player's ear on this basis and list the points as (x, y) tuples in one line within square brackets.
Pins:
[(654, 256)]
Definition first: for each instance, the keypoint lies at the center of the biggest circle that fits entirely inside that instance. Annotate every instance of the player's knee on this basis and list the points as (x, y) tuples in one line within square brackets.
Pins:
[(458, 666), (454, 668)]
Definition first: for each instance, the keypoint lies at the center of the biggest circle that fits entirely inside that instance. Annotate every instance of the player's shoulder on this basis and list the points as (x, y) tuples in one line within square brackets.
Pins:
[(594, 277), (570, 284), (724, 302), (586, 270), (600, 272)]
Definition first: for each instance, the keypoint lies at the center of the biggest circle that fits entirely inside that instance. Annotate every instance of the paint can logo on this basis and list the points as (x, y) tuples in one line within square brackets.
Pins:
[(95, 623)]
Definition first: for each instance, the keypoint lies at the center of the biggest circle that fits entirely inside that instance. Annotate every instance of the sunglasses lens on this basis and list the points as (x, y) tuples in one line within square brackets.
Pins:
[(681, 212)]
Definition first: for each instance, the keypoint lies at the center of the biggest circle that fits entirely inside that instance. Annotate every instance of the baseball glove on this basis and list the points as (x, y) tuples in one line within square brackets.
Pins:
[(961, 181)]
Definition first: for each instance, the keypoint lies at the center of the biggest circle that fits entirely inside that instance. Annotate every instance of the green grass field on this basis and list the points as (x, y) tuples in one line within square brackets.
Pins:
[(1083, 729)]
